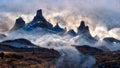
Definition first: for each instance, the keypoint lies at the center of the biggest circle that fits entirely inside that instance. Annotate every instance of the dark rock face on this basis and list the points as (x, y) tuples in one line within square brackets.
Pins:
[(89, 50), (72, 32), (28, 57), (4, 47), (2, 36), (109, 59), (84, 31), (57, 28), (115, 64), (21, 40), (111, 40), (39, 16), (24, 46), (38, 21), (18, 24), (9, 46), (82, 28), (2, 55), (104, 59), (19, 43)]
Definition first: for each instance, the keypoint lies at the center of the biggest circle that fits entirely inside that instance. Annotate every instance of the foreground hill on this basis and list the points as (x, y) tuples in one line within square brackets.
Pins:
[(104, 59), (18, 56)]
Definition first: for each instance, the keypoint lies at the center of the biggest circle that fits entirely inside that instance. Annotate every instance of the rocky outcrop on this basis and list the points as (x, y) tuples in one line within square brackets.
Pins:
[(8, 45), (20, 40), (57, 28), (85, 49), (38, 21), (39, 16), (82, 29), (111, 40), (85, 33), (15, 57), (4, 47), (9, 48), (24, 43), (18, 24), (104, 59), (112, 64), (2, 36), (109, 59), (72, 32), (40, 59)]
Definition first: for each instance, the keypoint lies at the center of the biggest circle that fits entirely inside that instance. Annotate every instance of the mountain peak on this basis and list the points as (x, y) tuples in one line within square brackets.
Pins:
[(82, 28), (20, 20), (39, 12), (19, 23), (57, 25), (57, 28), (72, 32), (82, 25), (39, 16), (38, 21)]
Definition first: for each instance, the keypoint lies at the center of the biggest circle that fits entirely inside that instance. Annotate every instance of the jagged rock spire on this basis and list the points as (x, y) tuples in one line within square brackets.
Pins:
[(18, 24), (57, 25), (65, 29), (82, 28), (39, 12), (57, 28), (38, 21), (39, 16), (84, 31), (82, 25), (72, 32)]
